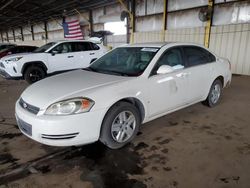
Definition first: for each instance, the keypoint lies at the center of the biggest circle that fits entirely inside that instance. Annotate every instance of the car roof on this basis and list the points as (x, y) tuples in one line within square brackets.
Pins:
[(24, 46), (58, 41), (149, 44), (161, 44)]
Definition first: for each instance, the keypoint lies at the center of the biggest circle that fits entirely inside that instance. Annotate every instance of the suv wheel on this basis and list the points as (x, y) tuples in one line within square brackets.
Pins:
[(33, 74)]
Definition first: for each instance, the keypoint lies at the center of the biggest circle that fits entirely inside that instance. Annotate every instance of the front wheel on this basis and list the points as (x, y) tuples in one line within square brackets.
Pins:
[(33, 74), (214, 94), (120, 125)]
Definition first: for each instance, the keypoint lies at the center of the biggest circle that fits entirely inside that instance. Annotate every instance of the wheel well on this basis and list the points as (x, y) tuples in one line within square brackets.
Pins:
[(137, 103), (221, 78), (34, 63)]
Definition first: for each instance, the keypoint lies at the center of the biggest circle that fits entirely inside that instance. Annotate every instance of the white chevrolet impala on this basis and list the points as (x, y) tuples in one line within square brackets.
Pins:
[(129, 86)]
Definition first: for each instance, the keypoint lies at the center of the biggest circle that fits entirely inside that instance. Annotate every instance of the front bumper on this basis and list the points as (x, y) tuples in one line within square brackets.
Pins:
[(4, 74), (9, 71), (69, 130)]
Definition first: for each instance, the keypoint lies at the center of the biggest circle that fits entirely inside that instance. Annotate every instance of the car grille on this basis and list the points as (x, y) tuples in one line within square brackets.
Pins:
[(2, 65), (25, 127), (28, 107)]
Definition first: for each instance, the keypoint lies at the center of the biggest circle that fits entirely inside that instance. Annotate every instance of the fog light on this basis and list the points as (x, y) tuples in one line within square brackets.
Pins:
[(14, 69)]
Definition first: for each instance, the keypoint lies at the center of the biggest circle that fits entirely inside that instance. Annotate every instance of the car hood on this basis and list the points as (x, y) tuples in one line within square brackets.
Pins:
[(21, 54), (71, 84)]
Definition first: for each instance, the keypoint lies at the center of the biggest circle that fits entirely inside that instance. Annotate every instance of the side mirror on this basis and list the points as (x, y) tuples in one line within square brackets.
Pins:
[(54, 52), (164, 69)]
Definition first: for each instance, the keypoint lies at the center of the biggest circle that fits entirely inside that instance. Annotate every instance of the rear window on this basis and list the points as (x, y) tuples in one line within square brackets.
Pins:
[(197, 56), (95, 46), (81, 46)]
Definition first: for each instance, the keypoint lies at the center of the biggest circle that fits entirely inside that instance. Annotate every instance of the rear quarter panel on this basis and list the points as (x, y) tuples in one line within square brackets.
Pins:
[(220, 68)]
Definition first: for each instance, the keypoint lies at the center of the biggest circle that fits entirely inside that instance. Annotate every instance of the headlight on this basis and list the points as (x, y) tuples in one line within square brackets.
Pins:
[(14, 59), (71, 106)]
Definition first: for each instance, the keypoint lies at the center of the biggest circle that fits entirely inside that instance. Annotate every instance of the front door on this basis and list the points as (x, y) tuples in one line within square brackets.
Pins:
[(61, 57), (167, 91)]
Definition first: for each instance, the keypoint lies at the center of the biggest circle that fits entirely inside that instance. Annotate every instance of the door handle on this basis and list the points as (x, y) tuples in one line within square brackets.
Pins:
[(70, 56), (92, 54), (183, 74)]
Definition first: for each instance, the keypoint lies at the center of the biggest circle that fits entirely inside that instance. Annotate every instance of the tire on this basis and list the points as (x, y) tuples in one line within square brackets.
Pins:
[(33, 74), (115, 134), (214, 94)]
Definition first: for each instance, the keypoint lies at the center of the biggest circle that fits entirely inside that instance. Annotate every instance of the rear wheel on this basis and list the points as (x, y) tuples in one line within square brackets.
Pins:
[(33, 74), (120, 125), (214, 94)]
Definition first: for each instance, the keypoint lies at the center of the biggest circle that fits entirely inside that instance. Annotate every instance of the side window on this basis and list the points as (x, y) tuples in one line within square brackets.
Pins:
[(17, 50), (65, 47), (197, 56), (88, 46), (22, 50), (172, 57), (81, 46), (27, 49), (14, 50), (95, 46)]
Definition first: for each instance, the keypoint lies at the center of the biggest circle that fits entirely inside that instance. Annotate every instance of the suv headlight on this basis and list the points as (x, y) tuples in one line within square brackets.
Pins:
[(14, 59), (70, 106)]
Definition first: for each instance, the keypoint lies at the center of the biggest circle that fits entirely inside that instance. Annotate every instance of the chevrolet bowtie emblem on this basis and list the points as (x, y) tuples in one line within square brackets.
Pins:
[(25, 105)]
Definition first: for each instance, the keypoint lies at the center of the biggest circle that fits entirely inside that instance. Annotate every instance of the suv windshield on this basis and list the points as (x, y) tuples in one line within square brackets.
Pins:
[(125, 61), (44, 47)]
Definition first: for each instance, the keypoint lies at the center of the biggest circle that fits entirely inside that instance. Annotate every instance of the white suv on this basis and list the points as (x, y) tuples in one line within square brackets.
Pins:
[(51, 58)]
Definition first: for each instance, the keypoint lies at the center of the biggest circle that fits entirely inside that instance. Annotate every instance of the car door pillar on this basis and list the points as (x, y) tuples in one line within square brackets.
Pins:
[(7, 36), (32, 32), (22, 37), (14, 38)]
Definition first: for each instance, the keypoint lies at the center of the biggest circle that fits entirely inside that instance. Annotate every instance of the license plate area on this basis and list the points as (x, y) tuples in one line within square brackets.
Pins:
[(24, 127)]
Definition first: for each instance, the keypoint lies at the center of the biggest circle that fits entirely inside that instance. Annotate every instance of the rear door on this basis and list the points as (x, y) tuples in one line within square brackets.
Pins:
[(97, 50), (84, 54), (199, 63)]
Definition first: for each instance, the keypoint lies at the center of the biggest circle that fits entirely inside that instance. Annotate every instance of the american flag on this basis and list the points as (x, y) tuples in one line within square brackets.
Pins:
[(72, 30)]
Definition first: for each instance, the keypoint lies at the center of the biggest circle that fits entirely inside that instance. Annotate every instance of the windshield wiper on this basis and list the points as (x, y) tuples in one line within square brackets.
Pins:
[(118, 73), (106, 71)]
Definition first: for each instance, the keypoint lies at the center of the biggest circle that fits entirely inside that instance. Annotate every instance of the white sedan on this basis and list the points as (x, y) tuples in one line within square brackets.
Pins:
[(129, 86)]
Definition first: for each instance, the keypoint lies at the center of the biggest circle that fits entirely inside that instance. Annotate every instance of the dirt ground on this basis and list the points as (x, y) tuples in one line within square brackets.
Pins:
[(197, 147)]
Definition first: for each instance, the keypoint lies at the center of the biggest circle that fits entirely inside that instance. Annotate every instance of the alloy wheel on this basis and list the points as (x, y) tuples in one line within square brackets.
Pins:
[(215, 93), (123, 126)]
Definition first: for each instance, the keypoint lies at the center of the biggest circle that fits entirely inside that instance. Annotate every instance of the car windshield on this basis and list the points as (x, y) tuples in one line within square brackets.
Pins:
[(125, 61), (44, 47)]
